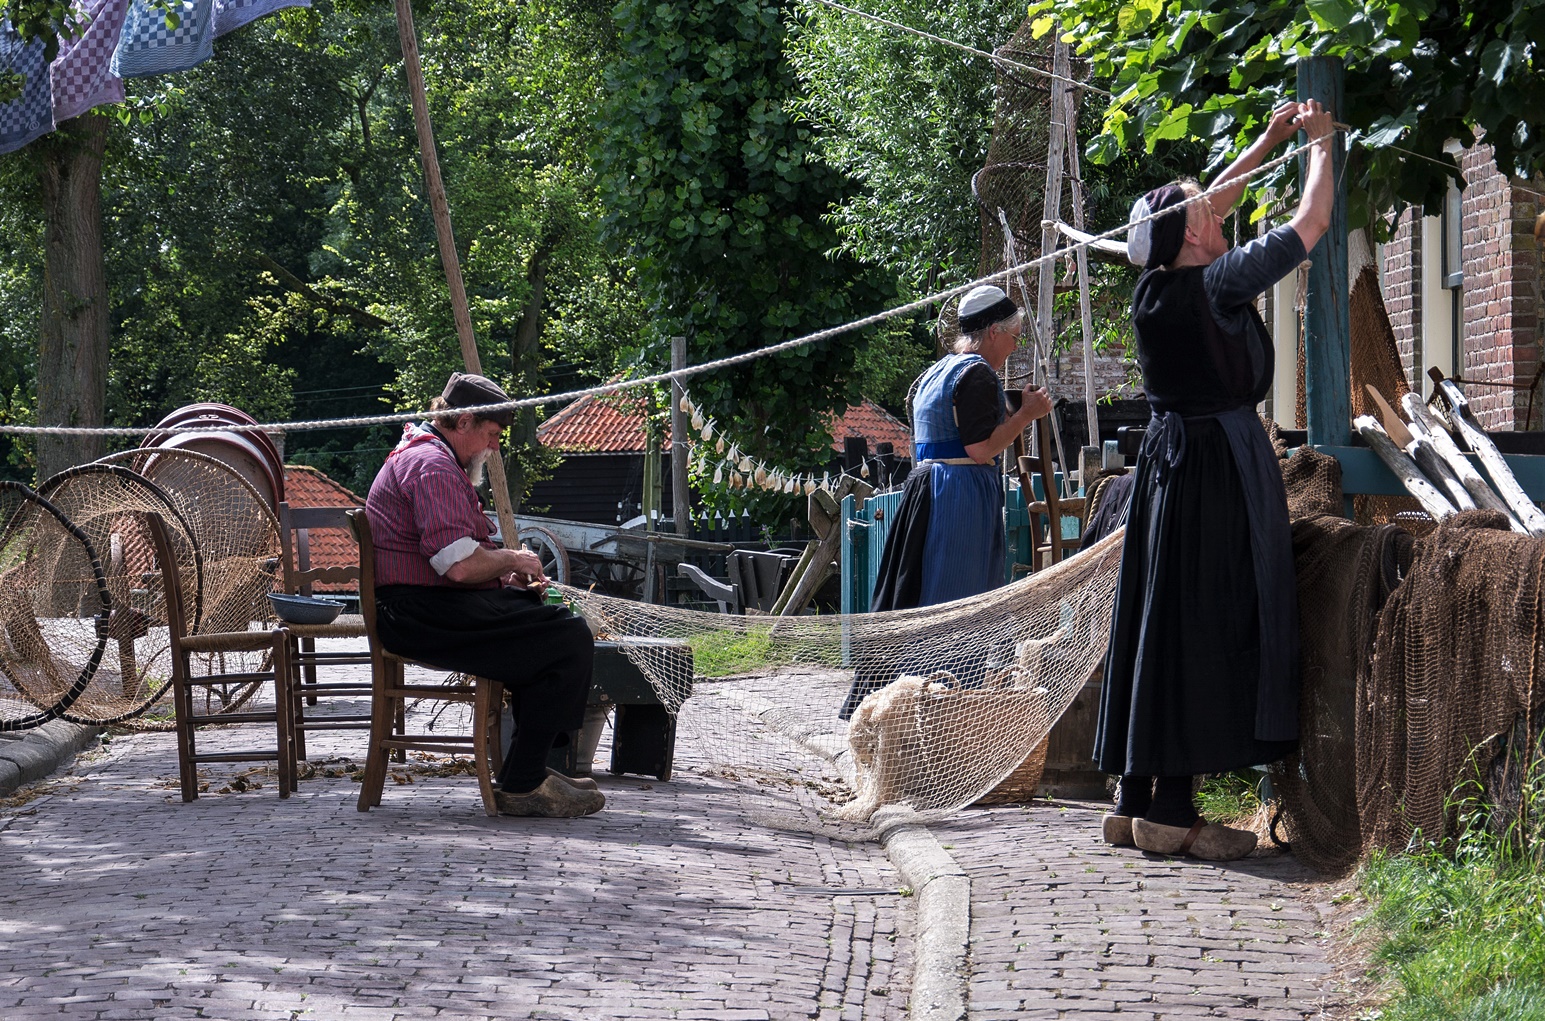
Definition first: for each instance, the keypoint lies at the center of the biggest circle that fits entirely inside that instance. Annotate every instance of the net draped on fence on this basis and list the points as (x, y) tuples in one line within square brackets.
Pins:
[(1420, 672)]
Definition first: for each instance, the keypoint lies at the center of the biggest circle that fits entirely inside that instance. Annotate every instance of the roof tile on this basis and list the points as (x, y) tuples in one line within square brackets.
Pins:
[(614, 425)]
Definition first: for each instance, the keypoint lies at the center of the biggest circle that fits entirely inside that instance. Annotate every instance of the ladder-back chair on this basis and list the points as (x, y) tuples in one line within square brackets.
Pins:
[(392, 692), (185, 682), (301, 576)]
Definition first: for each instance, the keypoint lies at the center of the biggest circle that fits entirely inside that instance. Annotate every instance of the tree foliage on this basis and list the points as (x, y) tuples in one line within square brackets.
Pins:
[(712, 189), (1418, 72), (909, 121), (269, 244)]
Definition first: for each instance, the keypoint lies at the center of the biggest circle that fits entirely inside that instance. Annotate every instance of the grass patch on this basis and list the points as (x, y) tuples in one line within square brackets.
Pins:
[(1230, 797), (1461, 936), (721, 653)]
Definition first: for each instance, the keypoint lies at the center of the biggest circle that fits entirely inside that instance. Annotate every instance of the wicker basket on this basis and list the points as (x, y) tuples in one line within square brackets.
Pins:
[(1019, 786)]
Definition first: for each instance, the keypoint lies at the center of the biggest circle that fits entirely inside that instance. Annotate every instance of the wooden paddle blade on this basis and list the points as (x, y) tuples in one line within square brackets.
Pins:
[(1393, 423)]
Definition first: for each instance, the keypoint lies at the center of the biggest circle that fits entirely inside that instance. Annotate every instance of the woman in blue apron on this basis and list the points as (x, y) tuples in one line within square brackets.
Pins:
[(946, 540)]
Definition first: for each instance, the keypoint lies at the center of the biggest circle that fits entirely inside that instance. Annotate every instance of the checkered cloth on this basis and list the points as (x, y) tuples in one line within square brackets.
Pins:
[(233, 14), (80, 74), (148, 47), (24, 119)]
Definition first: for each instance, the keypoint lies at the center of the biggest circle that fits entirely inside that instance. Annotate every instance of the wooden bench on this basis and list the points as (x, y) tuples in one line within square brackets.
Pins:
[(643, 728)]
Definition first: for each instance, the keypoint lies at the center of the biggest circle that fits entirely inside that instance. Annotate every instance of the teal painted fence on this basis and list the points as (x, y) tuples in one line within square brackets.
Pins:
[(865, 526)]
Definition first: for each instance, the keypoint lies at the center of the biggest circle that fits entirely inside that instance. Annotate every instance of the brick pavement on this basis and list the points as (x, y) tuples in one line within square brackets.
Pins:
[(701, 898), (1063, 926), (720, 894)]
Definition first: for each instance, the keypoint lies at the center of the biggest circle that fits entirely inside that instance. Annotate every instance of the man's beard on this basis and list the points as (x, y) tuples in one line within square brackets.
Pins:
[(478, 466)]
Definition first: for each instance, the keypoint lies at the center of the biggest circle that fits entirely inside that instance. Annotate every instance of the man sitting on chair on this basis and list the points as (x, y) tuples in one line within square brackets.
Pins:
[(447, 596)]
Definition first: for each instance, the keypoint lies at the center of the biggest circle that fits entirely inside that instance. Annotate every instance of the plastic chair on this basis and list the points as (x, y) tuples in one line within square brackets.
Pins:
[(185, 682), (391, 693)]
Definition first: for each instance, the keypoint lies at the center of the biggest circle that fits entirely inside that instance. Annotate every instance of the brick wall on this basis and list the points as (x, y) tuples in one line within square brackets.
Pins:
[(1402, 276), (1501, 267), (1111, 375), (1501, 299)]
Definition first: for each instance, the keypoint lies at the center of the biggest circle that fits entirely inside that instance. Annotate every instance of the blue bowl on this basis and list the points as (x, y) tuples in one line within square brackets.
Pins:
[(305, 609)]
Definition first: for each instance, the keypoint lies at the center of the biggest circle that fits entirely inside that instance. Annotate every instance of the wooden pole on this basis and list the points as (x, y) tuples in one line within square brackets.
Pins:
[(441, 209), (681, 507), (1405, 469), (1086, 312), (1051, 209), (1327, 316), (1525, 509), (1427, 426)]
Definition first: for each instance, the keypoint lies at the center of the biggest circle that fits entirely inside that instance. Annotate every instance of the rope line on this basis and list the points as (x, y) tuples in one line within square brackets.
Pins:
[(688, 372), (995, 58)]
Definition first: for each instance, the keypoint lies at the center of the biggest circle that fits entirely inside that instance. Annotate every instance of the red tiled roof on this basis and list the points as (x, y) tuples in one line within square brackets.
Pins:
[(304, 486), (875, 424), (614, 426), (594, 425)]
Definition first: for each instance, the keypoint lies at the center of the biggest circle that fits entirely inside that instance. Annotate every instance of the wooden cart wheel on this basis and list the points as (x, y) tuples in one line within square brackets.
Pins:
[(555, 559)]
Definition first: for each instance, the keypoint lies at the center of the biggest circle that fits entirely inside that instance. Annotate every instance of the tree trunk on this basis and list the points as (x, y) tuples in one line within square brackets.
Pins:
[(525, 359), (73, 339)]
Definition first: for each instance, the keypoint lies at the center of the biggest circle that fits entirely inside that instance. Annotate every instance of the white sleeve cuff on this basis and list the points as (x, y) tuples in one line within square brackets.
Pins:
[(453, 554)]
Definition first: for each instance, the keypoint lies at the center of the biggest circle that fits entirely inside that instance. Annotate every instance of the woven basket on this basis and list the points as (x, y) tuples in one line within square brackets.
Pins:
[(1019, 786)]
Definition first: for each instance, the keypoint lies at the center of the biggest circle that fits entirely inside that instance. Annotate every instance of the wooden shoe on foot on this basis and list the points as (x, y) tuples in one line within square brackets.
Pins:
[(1206, 840), (1117, 830), (553, 799), (584, 783)]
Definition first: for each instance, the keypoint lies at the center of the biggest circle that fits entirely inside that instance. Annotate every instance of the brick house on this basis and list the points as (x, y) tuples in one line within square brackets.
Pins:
[(1463, 291)]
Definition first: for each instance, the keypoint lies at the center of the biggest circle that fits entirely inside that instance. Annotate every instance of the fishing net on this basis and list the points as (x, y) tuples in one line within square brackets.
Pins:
[(1454, 673), (55, 610), (236, 533), (946, 701), (1345, 573), (1010, 189), (112, 506), (237, 538)]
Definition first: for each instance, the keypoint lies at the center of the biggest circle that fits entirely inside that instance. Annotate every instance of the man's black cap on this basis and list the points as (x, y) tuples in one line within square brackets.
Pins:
[(466, 390)]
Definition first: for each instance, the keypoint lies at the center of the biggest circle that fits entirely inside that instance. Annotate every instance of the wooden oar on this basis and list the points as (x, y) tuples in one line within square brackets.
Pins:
[(1426, 425), (1423, 453)]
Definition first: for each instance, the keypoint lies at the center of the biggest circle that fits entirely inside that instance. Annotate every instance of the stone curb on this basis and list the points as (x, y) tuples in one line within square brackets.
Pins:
[(29, 755), (941, 967)]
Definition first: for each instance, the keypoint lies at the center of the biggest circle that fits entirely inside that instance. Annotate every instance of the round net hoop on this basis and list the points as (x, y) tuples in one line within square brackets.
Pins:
[(112, 505), (54, 610), (237, 536)]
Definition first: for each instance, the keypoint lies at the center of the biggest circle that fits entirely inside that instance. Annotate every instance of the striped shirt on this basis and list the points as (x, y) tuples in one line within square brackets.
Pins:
[(424, 514)]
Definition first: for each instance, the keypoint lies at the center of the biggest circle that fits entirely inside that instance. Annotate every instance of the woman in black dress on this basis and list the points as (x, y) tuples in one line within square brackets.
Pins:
[(1202, 672)]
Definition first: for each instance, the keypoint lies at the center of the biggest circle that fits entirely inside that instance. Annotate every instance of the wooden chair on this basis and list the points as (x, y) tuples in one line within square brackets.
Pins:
[(300, 578), (184, 681), (391, 694), (756, 580)]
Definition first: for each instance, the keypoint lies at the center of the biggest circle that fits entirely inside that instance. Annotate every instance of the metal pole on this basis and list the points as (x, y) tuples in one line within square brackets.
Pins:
[(680, 495), (1327, 315), (441, 209)]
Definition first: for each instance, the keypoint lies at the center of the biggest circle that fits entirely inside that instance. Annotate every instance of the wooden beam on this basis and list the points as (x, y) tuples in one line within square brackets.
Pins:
[(1502, 478), (1399, 462), (440, 207), (681, 495), (1425, 424), (1327, 317)]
